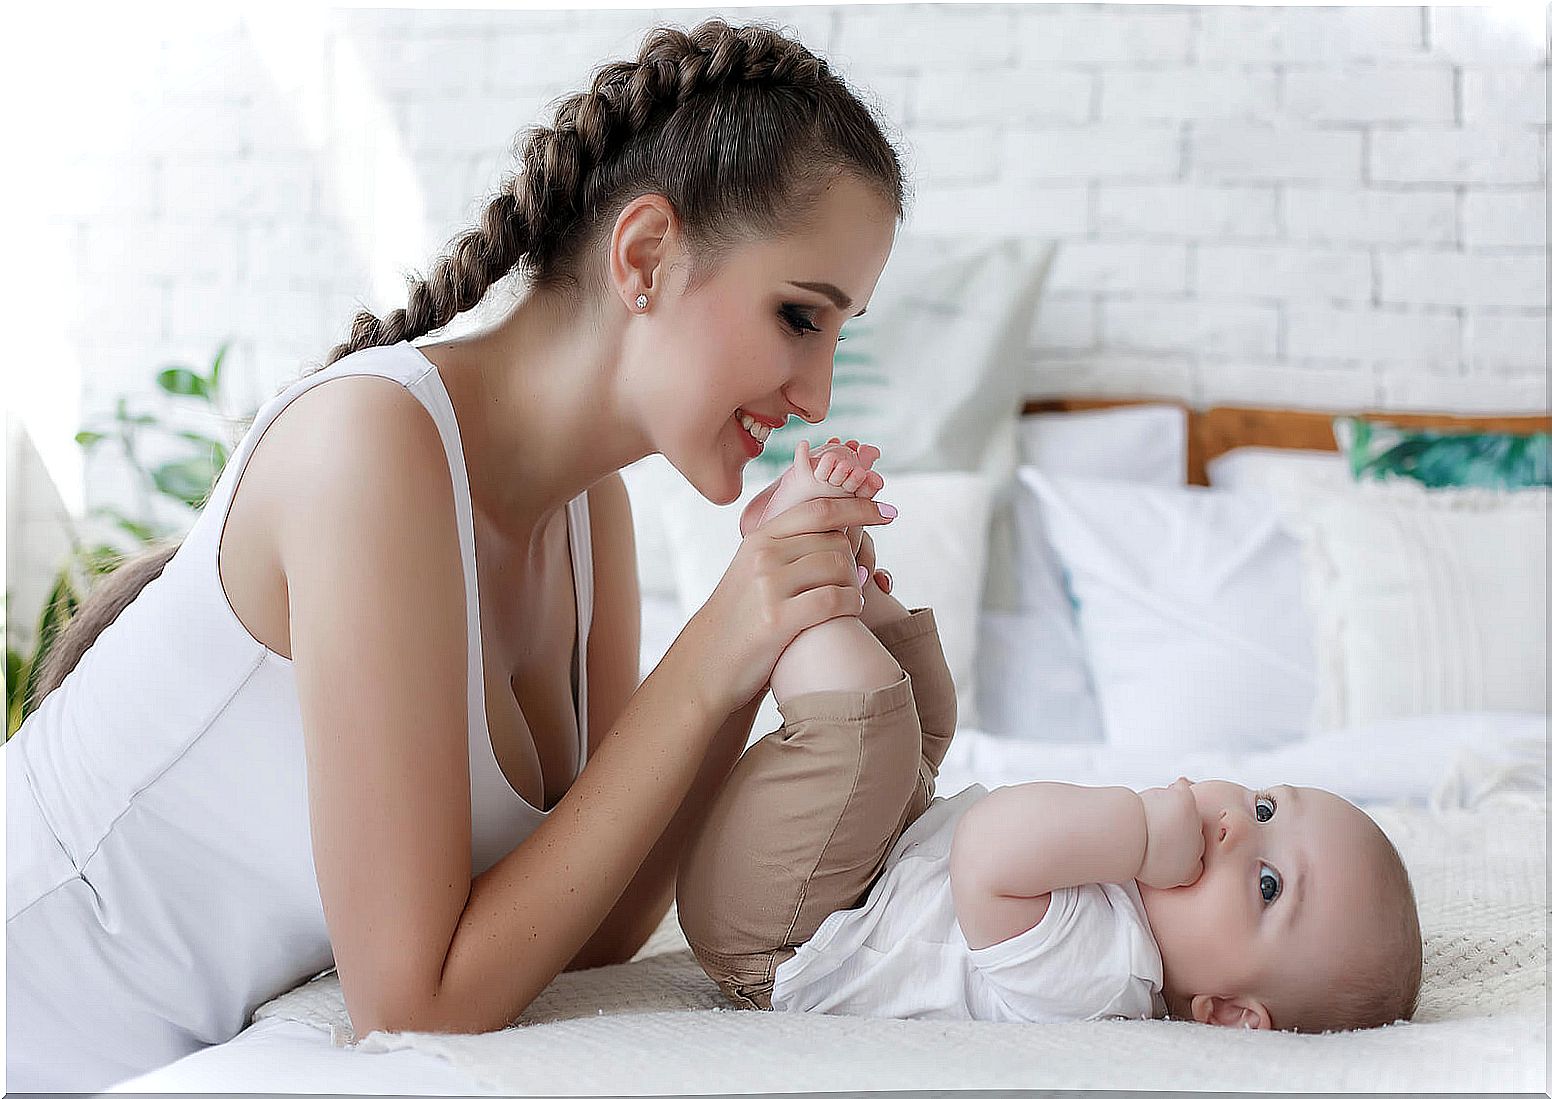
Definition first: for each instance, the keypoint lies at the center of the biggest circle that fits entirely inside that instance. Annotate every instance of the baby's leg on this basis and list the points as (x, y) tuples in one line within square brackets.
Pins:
[(840, 654), (912, 639), (800, 829)]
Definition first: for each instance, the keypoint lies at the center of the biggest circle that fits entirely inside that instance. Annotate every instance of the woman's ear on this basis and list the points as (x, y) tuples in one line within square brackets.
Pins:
[(1245, 1012), (638, 246)]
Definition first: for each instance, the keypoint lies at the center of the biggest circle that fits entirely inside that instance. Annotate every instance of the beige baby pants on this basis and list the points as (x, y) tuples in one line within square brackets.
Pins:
[(810, 811)]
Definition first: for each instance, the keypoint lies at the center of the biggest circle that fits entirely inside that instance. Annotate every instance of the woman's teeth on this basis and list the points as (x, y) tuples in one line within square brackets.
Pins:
[(754, 427)]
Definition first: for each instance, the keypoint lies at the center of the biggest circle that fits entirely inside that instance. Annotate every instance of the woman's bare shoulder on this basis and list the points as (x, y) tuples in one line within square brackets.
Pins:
[(359, 435)]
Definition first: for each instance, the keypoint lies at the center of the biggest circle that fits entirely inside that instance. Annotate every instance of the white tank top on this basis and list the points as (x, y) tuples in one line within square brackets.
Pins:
[(159, 875)]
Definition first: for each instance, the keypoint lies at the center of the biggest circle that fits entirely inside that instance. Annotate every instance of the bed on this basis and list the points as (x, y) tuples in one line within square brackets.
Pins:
[(1461, 792)]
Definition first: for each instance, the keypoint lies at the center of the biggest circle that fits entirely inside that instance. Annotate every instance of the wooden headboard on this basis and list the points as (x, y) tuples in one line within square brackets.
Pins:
[(1212, 431)]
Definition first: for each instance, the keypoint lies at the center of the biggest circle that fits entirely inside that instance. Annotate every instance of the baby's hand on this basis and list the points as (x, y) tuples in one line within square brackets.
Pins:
[(835, 469), (1173, 856)]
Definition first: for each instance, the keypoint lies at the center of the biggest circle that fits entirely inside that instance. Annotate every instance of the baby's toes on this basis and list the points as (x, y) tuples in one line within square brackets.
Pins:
[(874, 482), (868, 454), (825, 468), (856, 475)]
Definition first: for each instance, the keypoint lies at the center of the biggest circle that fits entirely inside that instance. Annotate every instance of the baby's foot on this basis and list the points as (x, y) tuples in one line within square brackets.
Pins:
[(835, 469)]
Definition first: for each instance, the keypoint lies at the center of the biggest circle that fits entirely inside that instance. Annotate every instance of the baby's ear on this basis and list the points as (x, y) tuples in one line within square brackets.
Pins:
[(1245, 1012)]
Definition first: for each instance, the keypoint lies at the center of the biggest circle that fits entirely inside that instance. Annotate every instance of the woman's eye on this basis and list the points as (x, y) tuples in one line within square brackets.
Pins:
[(1264, 813), (1271, 884), (797, 320)]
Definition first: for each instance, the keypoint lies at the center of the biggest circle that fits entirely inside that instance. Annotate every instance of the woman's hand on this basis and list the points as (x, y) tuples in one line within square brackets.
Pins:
[(1176, 842), (867, 559), (795, 571)]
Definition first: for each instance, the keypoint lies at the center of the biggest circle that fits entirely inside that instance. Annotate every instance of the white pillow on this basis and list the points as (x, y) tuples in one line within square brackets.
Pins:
[(648, 483), (1282, 474), (1034, 678), (1190, 609), (1427, 601), (935, 550), (1145, 444)]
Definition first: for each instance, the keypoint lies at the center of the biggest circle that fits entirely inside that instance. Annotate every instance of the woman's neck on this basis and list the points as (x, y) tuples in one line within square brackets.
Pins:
[(539, 411)]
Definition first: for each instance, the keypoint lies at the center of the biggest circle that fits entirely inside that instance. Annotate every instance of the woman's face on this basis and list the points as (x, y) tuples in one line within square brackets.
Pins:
[(755, 339)]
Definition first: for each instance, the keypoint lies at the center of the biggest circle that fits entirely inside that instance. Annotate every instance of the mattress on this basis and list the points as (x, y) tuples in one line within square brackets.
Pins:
[(1468, 814)]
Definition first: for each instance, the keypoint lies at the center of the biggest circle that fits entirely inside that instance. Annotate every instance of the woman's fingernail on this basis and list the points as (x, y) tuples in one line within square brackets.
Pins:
[(885, 582), (888, 511), (862, 576)]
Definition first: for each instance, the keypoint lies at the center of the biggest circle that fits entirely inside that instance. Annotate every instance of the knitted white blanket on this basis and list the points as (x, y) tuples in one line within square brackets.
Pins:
[(658, 1025)]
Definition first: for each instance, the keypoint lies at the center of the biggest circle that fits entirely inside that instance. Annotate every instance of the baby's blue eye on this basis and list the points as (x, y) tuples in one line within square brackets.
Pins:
[(1271, 807), (1271, 884)]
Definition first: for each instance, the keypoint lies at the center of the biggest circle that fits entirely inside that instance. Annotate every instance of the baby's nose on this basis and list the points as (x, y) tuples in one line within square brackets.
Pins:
[(1229, 826)]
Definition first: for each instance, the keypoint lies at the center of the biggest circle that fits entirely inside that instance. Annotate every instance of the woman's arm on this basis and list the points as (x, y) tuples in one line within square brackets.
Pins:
[(646, 900), (367, 540), (614, 658)]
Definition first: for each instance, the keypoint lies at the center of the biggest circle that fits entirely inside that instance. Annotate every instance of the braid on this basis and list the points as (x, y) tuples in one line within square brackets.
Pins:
[(478, 258), (741, 159)]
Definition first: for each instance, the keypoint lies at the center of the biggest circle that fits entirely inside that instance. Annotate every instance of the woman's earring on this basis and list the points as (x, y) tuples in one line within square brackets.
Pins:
[(641, 301)]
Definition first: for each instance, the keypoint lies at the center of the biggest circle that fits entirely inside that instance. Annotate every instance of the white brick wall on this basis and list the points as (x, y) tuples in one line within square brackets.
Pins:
[(1290, 205)]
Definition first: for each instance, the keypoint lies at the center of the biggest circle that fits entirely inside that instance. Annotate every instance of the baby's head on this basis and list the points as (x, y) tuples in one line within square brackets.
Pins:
[(1303, 917)]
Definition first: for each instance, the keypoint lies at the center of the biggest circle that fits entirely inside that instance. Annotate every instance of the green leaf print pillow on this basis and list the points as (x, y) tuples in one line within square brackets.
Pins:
[(1444, 459)]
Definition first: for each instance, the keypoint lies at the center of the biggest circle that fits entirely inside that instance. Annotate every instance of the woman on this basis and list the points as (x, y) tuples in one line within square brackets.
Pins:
[(329, 733)]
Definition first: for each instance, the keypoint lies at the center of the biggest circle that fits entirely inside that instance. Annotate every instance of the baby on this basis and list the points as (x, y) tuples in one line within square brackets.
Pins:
[(828, 878)]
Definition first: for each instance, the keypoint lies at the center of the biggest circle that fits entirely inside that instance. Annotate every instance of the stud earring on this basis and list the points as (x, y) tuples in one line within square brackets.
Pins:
[(641, 301)]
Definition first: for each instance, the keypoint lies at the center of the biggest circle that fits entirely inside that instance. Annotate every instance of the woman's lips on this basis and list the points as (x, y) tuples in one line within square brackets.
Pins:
[(752, 446)]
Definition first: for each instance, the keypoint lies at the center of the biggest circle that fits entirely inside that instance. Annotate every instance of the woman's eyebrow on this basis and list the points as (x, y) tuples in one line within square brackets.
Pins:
[(842, 301)]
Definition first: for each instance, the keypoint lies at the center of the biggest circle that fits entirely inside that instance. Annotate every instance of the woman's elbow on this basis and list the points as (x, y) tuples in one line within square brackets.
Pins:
[(421, 1011)]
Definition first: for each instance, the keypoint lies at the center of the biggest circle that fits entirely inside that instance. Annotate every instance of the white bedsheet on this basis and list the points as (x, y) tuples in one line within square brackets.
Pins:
[(1464, 798)]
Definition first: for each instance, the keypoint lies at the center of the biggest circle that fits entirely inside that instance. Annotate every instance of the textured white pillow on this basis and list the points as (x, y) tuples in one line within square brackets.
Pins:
[(1427, 601), (1190, 609), (935, 550), (1034, 679), (1144, 444), (649, 482)]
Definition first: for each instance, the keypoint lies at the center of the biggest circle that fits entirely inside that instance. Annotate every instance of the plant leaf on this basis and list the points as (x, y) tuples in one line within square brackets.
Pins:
[(188, 481), (215, 368), (180, 381)]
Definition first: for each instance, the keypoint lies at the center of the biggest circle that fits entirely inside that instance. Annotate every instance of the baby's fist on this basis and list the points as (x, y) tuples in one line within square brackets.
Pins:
[(1173, 855)]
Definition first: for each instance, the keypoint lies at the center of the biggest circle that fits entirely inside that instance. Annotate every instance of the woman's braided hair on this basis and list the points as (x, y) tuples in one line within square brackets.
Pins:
[(740, 128)]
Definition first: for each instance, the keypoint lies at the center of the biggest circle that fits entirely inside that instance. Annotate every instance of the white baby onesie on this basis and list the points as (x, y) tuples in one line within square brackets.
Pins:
[(902, 955)]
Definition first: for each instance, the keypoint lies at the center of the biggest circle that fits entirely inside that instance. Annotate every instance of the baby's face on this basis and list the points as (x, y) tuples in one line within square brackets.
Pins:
[(1280, 901)]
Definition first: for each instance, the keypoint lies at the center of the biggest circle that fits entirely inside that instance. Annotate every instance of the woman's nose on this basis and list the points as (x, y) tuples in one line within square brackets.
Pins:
[(810, 392)]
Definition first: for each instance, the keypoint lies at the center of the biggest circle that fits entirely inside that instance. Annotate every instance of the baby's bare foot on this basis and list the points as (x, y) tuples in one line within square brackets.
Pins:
[(835, 469)]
